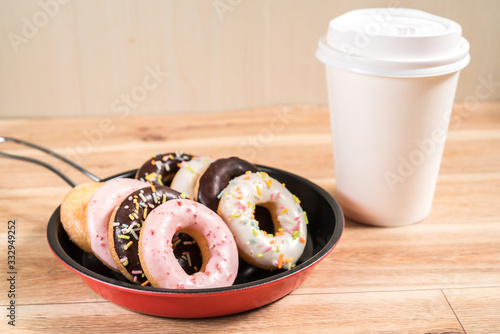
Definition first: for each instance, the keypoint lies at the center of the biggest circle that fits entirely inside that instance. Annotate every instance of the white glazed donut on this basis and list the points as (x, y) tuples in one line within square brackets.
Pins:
[(255, 246), (217, 245), (185, 179), (101, 206)]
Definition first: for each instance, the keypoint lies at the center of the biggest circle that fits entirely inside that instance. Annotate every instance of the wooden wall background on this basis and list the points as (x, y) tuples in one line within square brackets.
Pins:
[(106, 57)]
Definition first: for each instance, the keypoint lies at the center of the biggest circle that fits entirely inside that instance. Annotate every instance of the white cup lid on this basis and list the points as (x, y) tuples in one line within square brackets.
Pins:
[(395, 42)]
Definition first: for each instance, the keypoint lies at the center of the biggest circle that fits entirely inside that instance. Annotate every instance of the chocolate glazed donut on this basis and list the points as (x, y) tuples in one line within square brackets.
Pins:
[(217, 176), (125, 227), (161, 168)]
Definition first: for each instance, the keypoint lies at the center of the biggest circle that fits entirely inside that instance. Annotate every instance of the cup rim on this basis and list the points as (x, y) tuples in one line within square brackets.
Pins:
[(403, 68)]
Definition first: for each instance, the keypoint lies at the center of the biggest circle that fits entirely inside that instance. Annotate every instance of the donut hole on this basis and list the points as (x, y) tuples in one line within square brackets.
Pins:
[(167, 179), (187, 252), (264, 217)]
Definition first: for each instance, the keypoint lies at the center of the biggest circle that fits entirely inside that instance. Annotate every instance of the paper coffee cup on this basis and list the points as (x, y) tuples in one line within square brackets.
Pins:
[(392, 75)]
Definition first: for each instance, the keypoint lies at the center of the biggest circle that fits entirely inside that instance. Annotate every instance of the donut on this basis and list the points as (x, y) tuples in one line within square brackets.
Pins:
[(99, 211), (217, 176), (185, 179), (217, 245), (161, 168), (73, 213), (280, 250), (125, 227)]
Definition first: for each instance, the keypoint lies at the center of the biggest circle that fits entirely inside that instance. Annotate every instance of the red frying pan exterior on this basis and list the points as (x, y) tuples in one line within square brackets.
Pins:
[(196, 305)]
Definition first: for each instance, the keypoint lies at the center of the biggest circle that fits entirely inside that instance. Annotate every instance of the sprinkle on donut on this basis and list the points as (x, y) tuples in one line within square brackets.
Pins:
[(257, 247)]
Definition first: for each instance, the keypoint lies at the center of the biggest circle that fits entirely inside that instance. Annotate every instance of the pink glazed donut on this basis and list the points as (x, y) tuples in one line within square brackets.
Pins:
[(101, 206), (217, 245)]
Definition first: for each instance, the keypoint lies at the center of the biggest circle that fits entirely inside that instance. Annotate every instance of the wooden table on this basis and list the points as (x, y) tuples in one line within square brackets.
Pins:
[(438, 276)]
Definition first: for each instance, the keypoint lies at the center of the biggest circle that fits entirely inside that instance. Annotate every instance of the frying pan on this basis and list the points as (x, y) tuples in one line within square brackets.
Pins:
[(253, 287)]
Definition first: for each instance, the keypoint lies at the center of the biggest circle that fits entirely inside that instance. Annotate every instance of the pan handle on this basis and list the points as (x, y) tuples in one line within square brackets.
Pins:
[(41, 163)]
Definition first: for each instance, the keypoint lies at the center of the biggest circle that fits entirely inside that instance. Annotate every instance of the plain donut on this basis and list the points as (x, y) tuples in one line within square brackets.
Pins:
[(74, 216)]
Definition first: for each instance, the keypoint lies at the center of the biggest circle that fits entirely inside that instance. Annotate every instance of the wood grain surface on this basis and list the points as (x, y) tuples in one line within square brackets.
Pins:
[(441, 275)]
